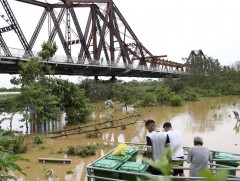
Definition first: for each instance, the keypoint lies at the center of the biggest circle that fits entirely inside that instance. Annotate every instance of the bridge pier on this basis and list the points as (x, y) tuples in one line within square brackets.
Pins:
[(113, 78), (96, 78)]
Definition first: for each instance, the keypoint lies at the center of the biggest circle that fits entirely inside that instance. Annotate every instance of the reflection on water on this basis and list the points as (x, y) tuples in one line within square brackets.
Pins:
[(128, 109), (210, 118), (121, 138), (79, 170), (236, 127)]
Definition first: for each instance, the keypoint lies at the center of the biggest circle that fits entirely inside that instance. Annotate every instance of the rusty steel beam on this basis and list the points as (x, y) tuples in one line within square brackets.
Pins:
[(106, 35), (4, 47), (59, 20), (80, 54), (110, 26), (141, 47), (68, 27), (80, 34), (114, 32), (94, 32), (34, 2), (60, 34), (37, 29), (16, 27), (89, 1), (104, 43), (72, 5), (150, 58), (6, 29), (102, 32)]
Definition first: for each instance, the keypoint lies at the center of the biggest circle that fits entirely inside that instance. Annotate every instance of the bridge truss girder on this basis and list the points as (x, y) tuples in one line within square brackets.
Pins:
[(106, 35), (15, 26)]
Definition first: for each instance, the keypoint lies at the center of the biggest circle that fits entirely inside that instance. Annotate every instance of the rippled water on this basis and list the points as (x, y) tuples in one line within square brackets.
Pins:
[(210, 118)]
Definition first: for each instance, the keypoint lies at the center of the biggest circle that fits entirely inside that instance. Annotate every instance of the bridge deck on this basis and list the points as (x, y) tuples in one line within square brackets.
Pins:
[(10, 65)]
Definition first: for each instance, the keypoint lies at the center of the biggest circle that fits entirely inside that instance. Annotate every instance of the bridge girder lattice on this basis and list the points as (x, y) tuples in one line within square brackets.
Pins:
[(106, 35)]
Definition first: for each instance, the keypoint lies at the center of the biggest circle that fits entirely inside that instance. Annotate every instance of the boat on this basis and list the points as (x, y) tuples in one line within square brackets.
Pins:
[(131, 168)]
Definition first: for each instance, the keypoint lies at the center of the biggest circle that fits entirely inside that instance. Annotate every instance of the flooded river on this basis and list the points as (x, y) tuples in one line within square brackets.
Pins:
[(210, 118)]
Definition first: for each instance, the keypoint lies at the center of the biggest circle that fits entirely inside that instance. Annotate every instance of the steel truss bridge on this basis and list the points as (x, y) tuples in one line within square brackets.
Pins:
[(103, 41)]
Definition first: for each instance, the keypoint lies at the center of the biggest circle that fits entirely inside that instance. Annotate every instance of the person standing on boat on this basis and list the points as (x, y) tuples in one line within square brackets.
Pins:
[(156, 143), (198, 156), (175, 148)]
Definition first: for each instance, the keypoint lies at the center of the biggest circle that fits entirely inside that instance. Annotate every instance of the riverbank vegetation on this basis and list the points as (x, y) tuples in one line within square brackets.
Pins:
[(10, 145), (207, 78), (82, 151), (45, 97), (14, 89), (48, 96)]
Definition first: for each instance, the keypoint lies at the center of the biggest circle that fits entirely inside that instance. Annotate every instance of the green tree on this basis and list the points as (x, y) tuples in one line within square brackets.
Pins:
[(163, 94), (73, 101), (236, 66), (126, 93), (36, 93), (203, 70), (9, 104), (148, 99), (175, 100), (49, 49), (97, 91)]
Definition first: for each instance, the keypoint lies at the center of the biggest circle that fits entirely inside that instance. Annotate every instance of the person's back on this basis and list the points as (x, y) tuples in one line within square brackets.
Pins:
[(198, 156), (199, 159), (158, 140), (155, 144), (176, 148), (175, 144)]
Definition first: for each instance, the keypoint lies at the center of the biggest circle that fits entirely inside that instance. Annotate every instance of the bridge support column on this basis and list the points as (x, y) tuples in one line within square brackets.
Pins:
[(113, 78), (96, 78)]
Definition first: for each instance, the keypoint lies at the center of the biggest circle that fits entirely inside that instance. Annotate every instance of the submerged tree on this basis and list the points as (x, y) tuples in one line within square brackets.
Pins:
[(36, 95), (43, 97), (73, 101), (126, 93)]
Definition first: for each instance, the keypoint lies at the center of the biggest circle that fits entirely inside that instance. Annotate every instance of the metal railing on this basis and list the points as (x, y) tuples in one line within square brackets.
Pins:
[(19, 53), (213, 167)]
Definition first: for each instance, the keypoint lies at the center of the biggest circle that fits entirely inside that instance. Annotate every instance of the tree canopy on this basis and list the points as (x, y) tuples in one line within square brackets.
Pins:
[(46, 97)]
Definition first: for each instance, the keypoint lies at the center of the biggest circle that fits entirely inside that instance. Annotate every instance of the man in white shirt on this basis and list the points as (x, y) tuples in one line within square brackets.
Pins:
[(175, 147)]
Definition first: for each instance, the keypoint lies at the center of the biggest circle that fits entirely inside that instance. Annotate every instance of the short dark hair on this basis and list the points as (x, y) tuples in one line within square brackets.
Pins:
[(149, 121), (198, 140), (167, 125)]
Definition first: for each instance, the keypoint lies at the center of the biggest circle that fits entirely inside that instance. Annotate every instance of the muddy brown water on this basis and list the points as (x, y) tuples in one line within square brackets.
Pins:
[(210, 118)]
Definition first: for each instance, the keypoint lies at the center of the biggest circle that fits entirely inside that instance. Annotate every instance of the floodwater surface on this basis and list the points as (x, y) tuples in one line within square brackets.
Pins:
[(210, 118)]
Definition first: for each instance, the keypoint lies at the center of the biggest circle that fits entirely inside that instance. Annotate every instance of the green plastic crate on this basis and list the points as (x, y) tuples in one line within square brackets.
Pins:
[(131, 151), (121, 159), (222, 155), (106, 164), (136, 167)]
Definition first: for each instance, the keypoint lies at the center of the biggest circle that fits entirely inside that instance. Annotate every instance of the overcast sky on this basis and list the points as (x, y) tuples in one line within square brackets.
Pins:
[(166, 27)]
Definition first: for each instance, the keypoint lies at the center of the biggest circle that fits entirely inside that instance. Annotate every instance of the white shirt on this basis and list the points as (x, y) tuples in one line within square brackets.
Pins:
[(175, 143)]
